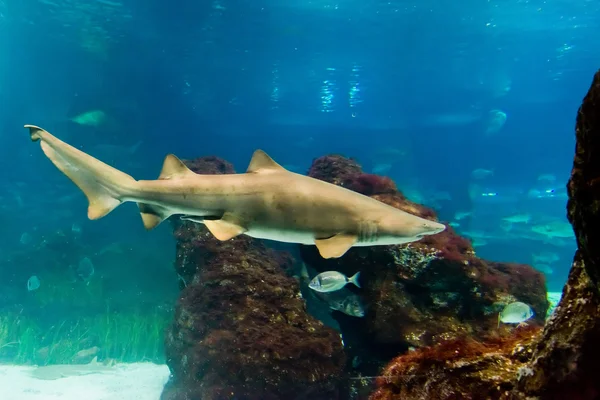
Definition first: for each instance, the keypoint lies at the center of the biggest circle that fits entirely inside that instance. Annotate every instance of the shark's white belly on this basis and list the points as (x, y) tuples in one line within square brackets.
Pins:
[(287, 236)]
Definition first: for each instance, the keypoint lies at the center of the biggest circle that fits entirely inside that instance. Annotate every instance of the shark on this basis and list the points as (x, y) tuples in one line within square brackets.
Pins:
[(266, 202)]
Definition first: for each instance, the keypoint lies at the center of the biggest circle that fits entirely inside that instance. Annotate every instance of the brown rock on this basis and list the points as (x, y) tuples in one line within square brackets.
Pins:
[(241, 329)]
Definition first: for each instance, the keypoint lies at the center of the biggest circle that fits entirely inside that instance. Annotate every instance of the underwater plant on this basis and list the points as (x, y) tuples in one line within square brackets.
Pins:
[(122, 337)]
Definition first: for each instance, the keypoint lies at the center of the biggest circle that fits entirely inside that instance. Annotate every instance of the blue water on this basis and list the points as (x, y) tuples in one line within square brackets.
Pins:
[(404, 87)]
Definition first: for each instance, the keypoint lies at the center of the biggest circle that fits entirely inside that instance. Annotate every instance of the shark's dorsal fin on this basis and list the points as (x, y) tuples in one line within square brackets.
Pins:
[(262, 162), (173, 168), (335, 246)]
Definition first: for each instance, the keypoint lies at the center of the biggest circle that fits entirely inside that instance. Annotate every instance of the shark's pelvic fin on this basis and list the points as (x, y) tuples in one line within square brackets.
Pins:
[(262, 162), (101, 183), (225, 228), (335, 246), (174, 168), (153, 215)]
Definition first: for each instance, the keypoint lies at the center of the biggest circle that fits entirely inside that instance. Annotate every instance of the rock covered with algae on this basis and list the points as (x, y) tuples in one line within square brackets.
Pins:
[(461, 368), (241, 330), (559, 362), (422, 293)]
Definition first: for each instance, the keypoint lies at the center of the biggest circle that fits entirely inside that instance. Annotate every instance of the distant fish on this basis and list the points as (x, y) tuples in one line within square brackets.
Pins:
[(545, 268), (93, 118), (554, 229), (547, 178), (496, 120), (515, 313), (461, 215), (518, 218), (58, 371), (76, 228), (351, 305), (33, 283), (330, 281), (85, 269), (25, 239), (481, 173), (545, 258), (381, 169)]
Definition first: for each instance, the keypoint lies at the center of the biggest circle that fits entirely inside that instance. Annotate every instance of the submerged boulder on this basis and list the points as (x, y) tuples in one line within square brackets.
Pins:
[(422, 293), (241, 330)]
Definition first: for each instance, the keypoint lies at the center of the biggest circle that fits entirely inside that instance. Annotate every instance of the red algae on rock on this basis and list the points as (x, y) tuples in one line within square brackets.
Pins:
[(241, 330), (461, 368)]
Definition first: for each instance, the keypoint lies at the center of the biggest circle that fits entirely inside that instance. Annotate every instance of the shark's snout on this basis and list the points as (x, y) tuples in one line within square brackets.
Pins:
[(431, 228)]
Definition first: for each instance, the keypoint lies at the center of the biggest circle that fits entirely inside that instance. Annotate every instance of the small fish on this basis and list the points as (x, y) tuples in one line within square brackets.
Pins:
[(331, 281), (547, 178), (481, 173), (496, 120), (515, 313), (85, 269), (76, 228), (33, 283), (381, 169), (93, 118), (351, 305), (25, 239), (461, 215), (545, 258), (518, 218), (546, 269)]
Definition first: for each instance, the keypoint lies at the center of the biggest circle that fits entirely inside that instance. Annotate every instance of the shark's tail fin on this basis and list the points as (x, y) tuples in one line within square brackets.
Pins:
[(103, 185)]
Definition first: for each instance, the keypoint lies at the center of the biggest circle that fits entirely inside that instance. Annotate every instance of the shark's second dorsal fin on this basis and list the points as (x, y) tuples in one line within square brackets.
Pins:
[(261, 161), (173, 167)]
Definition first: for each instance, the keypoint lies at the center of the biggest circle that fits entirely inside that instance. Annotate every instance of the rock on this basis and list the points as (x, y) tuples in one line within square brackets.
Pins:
[(241, 329), (565, 359), (422, 293), (458, 369)]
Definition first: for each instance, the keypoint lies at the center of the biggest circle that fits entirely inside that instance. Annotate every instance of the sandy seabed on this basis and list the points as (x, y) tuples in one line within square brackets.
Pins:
[(139, 381)]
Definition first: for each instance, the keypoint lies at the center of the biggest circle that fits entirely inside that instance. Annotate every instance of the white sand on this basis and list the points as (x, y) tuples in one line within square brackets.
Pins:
[(140, 381)]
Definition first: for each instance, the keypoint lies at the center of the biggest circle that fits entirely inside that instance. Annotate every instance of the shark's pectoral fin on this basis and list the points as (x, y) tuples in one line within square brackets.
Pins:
[(225, 228), (335, 246), (153, 215)]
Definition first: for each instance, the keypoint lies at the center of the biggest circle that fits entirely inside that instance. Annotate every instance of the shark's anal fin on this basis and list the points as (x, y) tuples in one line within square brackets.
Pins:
[(262, 162), (335, 246), (174, 168), (152, 215), (225, 228)]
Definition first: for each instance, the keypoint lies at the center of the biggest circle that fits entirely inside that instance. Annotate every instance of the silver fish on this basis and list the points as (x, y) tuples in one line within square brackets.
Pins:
[(330, 281), (515, 313)]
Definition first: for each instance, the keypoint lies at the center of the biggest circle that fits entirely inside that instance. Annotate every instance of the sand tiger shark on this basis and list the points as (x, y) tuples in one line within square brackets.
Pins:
[(266, 202)]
